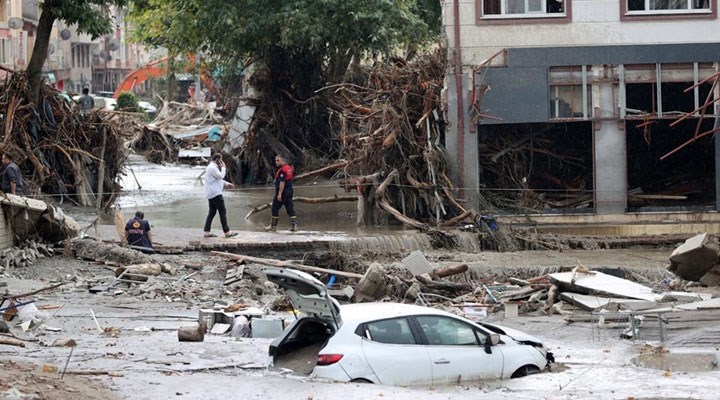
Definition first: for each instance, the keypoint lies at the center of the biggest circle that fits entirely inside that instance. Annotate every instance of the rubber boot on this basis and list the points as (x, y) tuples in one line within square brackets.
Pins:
[(293, 224), (273, 225)]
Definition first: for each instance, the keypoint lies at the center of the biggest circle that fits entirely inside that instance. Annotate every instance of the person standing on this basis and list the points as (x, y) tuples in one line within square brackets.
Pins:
[(214, 184), (283, 194), (137, 233), (12, 181), (86, 102)]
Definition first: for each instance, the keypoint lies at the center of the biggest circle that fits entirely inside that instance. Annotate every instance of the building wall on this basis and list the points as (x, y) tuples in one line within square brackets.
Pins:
[(507, 62), (592, 22)]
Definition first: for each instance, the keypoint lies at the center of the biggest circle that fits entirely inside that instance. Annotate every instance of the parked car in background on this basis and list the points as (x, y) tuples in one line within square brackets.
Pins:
[(393, 343)]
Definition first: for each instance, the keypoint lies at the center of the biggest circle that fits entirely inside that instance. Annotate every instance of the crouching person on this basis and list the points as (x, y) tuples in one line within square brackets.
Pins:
[(137, 233)]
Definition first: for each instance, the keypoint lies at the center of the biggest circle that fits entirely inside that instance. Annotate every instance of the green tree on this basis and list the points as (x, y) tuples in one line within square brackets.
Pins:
[(329, 32), (90, 17), (127, 101)]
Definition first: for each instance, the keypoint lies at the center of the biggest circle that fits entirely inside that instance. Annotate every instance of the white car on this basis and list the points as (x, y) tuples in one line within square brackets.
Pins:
[(393, 343)]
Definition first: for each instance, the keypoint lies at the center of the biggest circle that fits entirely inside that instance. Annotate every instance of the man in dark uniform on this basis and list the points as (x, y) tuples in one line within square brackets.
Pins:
[(86, 102), (137, 233), (283, 194), (12, 181)]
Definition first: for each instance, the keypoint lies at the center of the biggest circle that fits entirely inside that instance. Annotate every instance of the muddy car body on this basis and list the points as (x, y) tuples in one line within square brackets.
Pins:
[(393, 343)]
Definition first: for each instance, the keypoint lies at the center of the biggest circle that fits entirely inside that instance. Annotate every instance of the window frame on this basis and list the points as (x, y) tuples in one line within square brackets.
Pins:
[(660, 15), (531, 18), (363, 331), (481, 337)]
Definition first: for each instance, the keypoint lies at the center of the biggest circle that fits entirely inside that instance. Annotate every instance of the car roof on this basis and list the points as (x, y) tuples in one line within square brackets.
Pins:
[(362, 312)]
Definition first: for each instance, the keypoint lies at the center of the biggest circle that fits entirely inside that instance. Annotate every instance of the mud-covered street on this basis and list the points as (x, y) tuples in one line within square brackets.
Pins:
[(133, 352)]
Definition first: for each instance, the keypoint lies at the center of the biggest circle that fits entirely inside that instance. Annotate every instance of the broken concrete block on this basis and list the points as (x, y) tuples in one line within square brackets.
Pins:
[(417, 263), (192, 333), (344, 294), (712, 277), (372, 284), (694, 258)]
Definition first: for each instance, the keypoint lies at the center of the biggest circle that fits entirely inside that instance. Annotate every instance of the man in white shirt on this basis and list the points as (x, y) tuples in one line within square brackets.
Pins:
[(214, 184)]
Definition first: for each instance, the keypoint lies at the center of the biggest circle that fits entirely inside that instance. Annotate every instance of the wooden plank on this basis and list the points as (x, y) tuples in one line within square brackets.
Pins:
[(597, 282), (284, 264)]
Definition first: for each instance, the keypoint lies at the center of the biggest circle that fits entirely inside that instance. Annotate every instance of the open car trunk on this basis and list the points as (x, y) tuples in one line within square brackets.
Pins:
[(298, 348)]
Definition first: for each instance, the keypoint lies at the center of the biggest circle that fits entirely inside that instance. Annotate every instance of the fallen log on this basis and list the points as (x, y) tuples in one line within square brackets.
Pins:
[(283, 264), (308, 200), (11, 342), (139, 272), (451, 286), (331, 167), (450, 270)]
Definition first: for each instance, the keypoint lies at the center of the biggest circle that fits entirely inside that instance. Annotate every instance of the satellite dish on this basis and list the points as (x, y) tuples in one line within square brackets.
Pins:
[(113, 44), (15, 23), (102, 54), (65, 34), (108, 57)]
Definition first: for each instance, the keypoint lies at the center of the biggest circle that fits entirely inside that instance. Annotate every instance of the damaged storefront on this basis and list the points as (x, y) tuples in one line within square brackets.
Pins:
[(597, 129)]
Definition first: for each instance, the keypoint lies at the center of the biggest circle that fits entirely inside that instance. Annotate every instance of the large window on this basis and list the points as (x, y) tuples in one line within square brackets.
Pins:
[(659, 7), (523, 8), (570, 92)]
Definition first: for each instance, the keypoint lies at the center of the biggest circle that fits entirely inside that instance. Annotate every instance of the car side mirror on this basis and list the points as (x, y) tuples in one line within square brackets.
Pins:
[(494, 339)]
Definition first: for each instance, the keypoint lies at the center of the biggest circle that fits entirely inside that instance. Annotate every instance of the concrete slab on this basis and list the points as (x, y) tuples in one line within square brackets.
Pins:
[(598, 282), (592, 303), (417, 263)]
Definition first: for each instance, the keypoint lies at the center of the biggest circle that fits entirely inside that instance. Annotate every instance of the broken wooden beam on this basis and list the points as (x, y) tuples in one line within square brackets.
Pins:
[(284, 264)]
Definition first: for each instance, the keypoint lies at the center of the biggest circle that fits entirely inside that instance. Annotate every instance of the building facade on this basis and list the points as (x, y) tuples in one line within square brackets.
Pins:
[(75, 61), (600, 106)]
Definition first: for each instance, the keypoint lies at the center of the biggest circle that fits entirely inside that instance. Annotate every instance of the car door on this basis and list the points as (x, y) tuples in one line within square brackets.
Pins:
[(393, 353), (457, 350)]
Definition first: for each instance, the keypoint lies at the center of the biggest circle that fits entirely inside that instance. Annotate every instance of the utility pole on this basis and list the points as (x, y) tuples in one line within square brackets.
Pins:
[(198, 84)]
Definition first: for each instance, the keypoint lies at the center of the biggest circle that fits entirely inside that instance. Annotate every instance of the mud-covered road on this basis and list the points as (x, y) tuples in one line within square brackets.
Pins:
[(137, 355)]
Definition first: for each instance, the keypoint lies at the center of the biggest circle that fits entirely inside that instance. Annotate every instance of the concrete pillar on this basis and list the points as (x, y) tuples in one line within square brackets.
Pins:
[(467, 172), (609, 148)]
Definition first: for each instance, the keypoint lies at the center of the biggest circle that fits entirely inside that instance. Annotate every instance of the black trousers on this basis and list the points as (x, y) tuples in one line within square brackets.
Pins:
[(217, 205), (287, 201)]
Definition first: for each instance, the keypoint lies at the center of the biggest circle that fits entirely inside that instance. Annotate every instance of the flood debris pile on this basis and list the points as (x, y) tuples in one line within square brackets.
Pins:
[(61, 152), (383, 144), (530, 168), (179, 132)]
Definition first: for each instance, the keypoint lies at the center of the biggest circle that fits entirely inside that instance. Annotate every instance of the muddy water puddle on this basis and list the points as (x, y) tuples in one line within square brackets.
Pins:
[(174, 196), (680, 362)]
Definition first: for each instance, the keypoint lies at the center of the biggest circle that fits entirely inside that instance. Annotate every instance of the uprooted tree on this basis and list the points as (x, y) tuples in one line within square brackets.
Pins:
[(316, 100)]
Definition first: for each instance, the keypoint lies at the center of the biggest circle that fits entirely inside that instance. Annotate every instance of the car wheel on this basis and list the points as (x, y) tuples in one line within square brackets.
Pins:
[(360, 380), (525, 371)]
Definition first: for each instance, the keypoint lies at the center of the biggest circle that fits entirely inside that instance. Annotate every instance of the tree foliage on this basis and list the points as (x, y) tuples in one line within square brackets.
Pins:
[(329, 31), (90, 16)]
